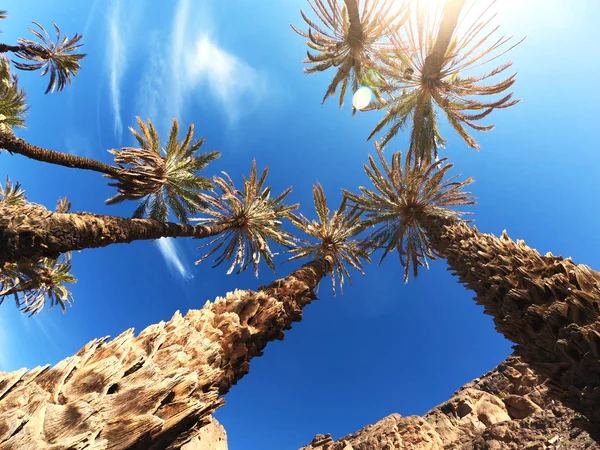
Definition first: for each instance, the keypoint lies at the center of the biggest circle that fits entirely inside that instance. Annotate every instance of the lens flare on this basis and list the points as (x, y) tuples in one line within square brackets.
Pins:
[(362, 97), (372, 78)]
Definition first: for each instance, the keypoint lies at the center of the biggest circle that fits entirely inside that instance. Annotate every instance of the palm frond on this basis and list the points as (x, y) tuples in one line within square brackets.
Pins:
[(57, 58), (165, 179), (255, 219), (13, 105), (332, 237), (12, 194), (403, 195)]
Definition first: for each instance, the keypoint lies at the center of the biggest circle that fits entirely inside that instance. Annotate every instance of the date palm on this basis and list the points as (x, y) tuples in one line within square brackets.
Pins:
[(37, 281), (431, 73), (333, 234), (254, 218), (546, 304), (13, 105), (58, 58), (165, 178), (349, 41)]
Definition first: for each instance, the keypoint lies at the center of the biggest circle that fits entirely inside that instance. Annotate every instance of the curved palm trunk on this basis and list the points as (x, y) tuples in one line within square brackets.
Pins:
[(153, 391), (548, 305), (13, 144), (435, 60), (30, 230), (355, 25)]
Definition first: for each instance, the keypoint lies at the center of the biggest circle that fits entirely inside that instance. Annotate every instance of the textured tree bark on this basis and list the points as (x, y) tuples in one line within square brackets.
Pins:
[(13, 144), (435, 60), (30, 230), (153, 391), (548, 305), (355, 33)]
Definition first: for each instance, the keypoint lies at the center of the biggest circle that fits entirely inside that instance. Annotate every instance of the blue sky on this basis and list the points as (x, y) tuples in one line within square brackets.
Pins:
[(234, 69)]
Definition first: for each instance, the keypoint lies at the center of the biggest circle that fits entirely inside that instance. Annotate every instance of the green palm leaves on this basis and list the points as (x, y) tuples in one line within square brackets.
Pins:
[(350, 43), (57, 58), (333, 234), (421, 86), (35, 282), (164, 178), (12, 99), (255, 220), (402, 199)]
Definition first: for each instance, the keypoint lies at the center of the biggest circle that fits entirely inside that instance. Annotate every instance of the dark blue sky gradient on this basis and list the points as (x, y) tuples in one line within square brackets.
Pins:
[(381, 348)]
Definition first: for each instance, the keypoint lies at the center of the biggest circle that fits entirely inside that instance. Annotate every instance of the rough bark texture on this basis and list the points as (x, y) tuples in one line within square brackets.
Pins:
[(548, 305), (508, 408), (13, 144), (355, 32), (31, 230), (210, 437), (435, 60), (156, 390)]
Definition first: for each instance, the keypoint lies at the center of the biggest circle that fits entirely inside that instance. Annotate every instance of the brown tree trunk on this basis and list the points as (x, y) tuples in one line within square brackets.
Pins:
[(153, 391), (548, 305), (9, 48), (13, 144), (355, 33), (30, 230), (435, 60)]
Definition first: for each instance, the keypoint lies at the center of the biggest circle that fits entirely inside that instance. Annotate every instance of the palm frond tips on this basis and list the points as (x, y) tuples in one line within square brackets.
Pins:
[(403, 196), (33, 284), (13, 104), (12, 194), (332, 237), (255, 219), (164, 179), (421, 85), (58, 58), (349, 40)]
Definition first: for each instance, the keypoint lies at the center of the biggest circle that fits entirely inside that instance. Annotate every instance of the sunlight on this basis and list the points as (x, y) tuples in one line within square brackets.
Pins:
[(362, 97)]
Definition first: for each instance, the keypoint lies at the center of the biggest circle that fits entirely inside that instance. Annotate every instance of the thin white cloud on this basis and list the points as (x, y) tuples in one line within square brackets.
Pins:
[(5, 344), (116, 61), (168, 249)]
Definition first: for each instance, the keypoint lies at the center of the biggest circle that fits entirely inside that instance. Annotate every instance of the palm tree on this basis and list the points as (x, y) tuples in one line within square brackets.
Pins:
[(351, 42), (153, 391), (57, 58), (548, 305), (333, 235), (13, 105), (425, 76), (33, 282), (164, 178), (258, 218)]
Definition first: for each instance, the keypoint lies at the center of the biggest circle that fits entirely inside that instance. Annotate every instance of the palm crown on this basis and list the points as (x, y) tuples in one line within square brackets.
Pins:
[(419, 88), (12, 99), (352, 46), (164, 178), (402, 198), (255, 219), (59, 58), (34, 282), (333, 235)]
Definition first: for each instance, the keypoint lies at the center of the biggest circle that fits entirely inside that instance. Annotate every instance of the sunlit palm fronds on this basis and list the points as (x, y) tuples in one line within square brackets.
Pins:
[(13, 104), (33, 284), (347, 41), (164, 178), (12, 194), (402, 198), (255, 217), (333, 235), (58, 58), (421, 86)]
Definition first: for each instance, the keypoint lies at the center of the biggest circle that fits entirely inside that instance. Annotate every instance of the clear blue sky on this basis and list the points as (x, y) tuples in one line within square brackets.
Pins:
[(234, 69)]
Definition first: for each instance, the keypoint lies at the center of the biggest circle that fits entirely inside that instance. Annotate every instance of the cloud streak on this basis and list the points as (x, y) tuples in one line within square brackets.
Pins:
[(116, 62), (170, 253)]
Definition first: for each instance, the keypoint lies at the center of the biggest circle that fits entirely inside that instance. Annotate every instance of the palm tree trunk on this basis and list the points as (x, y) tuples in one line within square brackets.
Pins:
[(31, 231), (10, 142), (355, 31), (435, 60), (9, 48), (548, 305), (153, 391)]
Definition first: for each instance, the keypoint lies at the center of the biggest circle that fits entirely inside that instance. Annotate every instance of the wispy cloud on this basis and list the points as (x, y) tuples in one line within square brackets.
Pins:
[(168, 249), (116, 62)]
